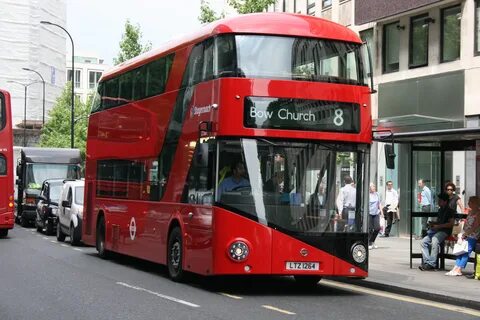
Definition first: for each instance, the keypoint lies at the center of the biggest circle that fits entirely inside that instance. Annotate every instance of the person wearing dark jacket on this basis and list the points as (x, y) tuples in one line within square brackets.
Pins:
[(438, 232)]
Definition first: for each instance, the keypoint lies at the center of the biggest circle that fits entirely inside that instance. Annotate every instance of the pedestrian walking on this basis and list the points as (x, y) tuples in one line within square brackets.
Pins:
[(424, 199), (346, 201), (390, 207), (374, 212)]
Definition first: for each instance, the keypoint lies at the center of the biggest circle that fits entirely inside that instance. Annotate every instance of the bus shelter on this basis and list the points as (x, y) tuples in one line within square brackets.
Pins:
[(435, 157)]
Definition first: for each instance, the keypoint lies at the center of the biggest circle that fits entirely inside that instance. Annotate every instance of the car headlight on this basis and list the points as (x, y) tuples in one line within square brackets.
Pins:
[(359, 252), (238, 251)]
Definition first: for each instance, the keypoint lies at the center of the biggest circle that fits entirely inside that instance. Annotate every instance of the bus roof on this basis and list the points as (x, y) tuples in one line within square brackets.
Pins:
[(271, 23), (51, 155)]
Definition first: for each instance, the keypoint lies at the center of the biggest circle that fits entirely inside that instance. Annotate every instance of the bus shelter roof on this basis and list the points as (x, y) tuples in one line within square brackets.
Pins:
[(457, 135)]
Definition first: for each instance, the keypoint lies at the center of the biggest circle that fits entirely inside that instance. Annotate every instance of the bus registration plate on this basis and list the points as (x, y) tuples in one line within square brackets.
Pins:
[(290, 265)]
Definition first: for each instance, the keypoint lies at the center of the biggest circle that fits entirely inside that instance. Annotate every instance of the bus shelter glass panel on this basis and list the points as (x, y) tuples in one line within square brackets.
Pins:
[(426, 186), (292, 186)]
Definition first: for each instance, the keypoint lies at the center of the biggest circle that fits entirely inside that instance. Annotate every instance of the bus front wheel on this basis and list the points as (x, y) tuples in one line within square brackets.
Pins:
[(3, 233), (100, 239), (174, 255), (307, 281)]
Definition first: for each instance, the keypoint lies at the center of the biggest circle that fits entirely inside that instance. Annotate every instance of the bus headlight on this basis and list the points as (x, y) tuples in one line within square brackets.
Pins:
[(238, 251), (359, 252)]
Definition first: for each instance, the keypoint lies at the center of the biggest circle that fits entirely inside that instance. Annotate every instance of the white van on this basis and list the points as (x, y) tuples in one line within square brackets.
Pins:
[(70, 211)]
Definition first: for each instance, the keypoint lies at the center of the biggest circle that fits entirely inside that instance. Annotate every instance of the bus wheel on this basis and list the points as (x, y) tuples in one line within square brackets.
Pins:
[(60, 234), (174, 255), (3, 233), (74, 236), (100, 239), (307, 281)]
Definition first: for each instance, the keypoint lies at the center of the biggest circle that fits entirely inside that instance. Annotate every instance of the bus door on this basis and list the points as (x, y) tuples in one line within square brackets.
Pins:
[(197, 212)]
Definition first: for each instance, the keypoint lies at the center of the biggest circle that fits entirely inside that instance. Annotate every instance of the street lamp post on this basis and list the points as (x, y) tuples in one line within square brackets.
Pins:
[(73, 82), (43, 81), (24, 109)]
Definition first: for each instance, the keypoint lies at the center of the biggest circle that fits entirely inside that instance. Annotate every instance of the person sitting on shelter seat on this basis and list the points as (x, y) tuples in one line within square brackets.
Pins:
[(439, 231)]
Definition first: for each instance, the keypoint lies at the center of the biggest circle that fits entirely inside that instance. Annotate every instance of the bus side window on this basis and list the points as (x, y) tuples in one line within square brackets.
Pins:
[(3, 165)]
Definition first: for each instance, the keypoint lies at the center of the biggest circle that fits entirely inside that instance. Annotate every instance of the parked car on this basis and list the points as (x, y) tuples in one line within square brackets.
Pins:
[(47, 205), (70, 211)]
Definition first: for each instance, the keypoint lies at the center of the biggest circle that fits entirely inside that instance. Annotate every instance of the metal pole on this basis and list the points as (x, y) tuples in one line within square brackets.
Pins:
[(72, 120), (25, 119), (43, 82)]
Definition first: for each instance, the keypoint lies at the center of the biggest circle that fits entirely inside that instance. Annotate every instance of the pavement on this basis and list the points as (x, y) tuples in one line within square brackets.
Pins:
[(389, 270)]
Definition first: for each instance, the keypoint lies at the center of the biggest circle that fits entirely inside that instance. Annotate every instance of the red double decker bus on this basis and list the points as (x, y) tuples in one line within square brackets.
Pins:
[(6, 165), (225, 152)]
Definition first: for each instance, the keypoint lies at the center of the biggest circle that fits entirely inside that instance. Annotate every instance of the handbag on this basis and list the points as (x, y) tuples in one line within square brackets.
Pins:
[(460, 247)]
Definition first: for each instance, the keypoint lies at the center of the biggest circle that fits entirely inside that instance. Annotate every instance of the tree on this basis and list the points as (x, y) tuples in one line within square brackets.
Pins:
[(207, 14), (56, 133), (130, 45)]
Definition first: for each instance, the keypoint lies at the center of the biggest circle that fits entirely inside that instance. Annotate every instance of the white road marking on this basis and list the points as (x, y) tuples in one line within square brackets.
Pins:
[(64, 245), (53, 241), (159, 295), (395, 296), (230, 296), (45, 238), (77, 249), (278, 310)]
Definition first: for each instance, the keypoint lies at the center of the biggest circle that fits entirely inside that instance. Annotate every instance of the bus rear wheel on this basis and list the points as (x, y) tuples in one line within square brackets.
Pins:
[(100, 239), (307, 281), (3, 233), (174, 255)]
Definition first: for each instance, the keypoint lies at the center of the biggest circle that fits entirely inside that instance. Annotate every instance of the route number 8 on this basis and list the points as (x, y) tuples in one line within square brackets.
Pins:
[(338, 119)]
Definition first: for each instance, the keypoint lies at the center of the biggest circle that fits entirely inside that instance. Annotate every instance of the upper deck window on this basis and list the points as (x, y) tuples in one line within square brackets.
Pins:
[(2, 111), (302, 59)]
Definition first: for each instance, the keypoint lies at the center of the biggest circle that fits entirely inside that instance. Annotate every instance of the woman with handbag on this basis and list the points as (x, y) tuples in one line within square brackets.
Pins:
[(471, 234)]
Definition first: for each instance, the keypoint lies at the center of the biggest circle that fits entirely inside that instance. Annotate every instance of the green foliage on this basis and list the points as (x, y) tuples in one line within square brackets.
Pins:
[(207, 14), (56, 133), (130, 45), (250, 6)]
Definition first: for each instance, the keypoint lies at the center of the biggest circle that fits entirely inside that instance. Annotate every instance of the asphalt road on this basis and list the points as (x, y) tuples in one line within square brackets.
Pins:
[(41, 278)]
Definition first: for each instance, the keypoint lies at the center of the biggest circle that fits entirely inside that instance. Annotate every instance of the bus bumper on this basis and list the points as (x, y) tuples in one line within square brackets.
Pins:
[(7, 220)]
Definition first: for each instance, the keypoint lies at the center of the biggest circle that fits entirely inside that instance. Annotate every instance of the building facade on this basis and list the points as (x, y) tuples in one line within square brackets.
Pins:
[(28, 44), (426, 60), (88, 70)]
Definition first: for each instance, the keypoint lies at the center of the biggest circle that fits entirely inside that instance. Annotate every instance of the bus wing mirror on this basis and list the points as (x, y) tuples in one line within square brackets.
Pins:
[(390, 156)]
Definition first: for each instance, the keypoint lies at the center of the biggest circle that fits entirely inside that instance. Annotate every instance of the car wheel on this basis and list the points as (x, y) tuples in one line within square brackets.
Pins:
[(174, 255), (307, 281), (60, 234), (24, 222), (3, 233), (74, 235), (49, 228), (100, 239), (39, 229)]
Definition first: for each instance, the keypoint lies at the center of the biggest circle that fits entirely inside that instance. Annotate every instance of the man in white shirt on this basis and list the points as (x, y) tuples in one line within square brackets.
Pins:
[(424, 199), (390, 207), (346, 202)]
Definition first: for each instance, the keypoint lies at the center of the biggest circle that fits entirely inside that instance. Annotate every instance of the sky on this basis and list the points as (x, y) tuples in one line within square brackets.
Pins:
[(96, 26)]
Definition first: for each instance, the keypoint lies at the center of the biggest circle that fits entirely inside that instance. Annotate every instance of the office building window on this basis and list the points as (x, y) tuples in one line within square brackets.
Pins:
[(418, 44), (367, 36), (77, 77), (93, 77), (311, 7), (391, 47), (477, 27), (326, 3), (450, 34)]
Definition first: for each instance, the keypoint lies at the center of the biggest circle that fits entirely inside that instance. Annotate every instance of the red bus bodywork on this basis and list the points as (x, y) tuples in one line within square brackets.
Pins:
[(138, 130), (6, 173)]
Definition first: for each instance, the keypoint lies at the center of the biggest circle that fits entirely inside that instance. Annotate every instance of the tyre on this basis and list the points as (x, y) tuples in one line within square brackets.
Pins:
[(49, 227), (307, 281), (24, 222), (3, 233), (39, 229), (100, 239), (74, 235), (60, 234), (175, 255)]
